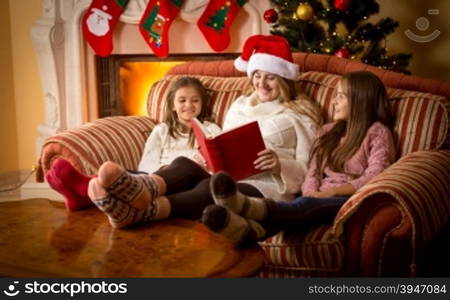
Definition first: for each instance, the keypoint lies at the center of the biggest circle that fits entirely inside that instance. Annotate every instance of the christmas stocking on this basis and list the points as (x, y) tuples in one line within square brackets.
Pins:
[(99, 22), (216, 20), (155, 24)]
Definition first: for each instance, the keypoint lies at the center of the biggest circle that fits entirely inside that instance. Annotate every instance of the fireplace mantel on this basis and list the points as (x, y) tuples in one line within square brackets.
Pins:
[(66, 63)]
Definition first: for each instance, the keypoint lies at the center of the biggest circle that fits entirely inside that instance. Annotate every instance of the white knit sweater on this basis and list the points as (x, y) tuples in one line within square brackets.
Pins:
[(289, 134), (161, 149)]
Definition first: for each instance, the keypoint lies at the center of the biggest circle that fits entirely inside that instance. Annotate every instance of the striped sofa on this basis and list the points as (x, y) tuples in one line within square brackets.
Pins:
[(380, 231)]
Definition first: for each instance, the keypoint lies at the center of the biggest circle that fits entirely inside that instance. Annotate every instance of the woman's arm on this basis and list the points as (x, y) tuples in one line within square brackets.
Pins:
[(293, 171)]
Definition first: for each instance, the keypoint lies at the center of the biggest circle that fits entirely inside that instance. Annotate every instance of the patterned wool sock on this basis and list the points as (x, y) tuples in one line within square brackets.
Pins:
[(225, 193), (120, 213), (69, 182), (129, 187), (234, 227)]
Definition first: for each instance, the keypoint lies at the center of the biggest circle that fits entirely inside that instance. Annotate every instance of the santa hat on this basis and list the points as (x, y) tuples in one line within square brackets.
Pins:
[(269, 53)]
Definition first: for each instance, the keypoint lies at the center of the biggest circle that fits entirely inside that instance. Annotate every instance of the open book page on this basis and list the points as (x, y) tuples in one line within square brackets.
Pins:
[(203, 128), (207, 146), (210, 135), (232, 151)]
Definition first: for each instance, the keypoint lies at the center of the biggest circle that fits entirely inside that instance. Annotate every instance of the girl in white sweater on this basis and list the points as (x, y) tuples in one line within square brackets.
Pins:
[(187, 99), (288, 125)]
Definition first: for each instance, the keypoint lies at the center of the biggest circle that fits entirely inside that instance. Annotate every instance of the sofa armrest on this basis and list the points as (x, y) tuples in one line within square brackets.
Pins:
[(120, 139), (405, 206)]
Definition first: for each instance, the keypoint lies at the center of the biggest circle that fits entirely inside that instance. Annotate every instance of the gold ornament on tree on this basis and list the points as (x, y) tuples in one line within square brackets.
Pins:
[(305, 12)]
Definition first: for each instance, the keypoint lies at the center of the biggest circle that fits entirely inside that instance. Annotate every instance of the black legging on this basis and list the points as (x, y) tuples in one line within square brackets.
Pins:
[(188, 188)]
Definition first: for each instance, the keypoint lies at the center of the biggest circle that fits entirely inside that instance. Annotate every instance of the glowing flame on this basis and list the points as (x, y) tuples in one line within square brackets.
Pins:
[(136, 79)]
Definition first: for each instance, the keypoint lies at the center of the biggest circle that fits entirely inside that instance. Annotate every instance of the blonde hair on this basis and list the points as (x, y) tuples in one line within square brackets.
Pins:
[(294, 99)]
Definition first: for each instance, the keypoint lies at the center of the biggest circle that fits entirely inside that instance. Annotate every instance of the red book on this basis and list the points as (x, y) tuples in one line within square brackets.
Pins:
[(232, 151)]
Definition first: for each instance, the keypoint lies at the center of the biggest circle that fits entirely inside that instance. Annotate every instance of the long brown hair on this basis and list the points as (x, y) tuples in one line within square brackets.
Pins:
[(368, 103), (176, 128), (294, 99)]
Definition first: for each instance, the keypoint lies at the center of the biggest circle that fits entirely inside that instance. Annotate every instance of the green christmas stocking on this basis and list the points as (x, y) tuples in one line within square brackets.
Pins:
[(216, 21), (155, 24)]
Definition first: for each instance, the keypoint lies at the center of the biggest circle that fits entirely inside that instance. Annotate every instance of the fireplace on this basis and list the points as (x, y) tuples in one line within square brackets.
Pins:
[(68, 67)]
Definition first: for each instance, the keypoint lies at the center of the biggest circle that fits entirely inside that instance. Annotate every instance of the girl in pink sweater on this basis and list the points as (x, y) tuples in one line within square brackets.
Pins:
[(346, 155)]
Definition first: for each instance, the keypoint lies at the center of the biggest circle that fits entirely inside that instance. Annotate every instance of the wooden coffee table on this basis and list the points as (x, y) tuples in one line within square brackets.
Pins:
[(40, 238)]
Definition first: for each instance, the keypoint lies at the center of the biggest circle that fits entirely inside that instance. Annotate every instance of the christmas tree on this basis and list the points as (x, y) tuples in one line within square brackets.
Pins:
[(338, 27)]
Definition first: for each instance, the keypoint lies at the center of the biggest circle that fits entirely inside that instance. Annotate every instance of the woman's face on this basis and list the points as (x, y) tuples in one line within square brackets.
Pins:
[(266, 86), (187, 104), (341, 103)]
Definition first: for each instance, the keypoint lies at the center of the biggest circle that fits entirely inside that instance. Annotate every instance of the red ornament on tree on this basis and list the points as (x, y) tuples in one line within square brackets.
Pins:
[(342, 5), (344, 53), (270, 16)]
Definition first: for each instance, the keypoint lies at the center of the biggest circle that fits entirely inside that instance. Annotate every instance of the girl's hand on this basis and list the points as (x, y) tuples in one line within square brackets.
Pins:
[(268, 160), (322, 194), (308, 193)]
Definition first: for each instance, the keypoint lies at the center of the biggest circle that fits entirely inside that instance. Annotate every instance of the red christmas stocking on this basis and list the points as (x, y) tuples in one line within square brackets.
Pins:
[(99, 22), (155, 24), (216, 20)]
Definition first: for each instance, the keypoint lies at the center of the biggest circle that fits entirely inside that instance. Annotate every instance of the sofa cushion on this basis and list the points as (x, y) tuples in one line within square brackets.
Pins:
[(312, 253), (223, 90), (120, 139), (421, 119)]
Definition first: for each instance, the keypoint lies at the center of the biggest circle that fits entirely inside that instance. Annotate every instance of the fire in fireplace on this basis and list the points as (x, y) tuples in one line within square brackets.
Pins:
[(123, 81)]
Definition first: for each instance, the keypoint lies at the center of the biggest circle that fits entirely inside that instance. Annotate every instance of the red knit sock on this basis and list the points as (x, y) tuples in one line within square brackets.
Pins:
[(73, 185)]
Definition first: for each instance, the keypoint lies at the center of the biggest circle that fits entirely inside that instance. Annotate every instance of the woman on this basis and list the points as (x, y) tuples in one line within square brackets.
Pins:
[(346, 155)]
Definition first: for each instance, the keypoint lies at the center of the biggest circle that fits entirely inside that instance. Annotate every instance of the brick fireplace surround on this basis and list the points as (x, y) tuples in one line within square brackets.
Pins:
[(67, 64)]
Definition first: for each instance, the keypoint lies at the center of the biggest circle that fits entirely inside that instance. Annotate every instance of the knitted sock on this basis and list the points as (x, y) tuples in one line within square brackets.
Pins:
[(225, 193), (73, 185), (234, 227), (121, 213), (130, 187)]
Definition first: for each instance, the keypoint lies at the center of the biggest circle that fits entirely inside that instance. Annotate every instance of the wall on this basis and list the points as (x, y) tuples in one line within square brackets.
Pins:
[(27, 86), (430, 59), (21, 94), (8, 129)]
